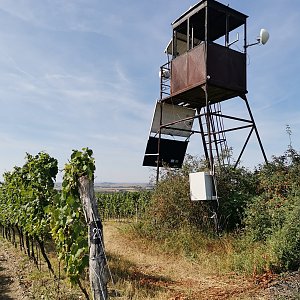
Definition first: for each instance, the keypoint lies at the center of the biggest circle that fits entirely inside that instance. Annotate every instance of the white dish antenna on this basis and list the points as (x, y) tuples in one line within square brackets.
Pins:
[(262, 39), (263, 36)]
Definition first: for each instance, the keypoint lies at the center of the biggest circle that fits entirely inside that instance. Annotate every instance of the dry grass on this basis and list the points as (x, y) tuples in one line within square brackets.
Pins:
[(142, 270)]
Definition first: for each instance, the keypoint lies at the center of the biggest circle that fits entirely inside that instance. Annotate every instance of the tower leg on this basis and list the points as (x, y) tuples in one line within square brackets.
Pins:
[(244, 97), (158, 145), (210, 151), (202, 135)]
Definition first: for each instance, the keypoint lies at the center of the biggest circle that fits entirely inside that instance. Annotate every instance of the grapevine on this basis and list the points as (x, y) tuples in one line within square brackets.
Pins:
[(30, 206), (25, 196), (123, 205), (68, 227)]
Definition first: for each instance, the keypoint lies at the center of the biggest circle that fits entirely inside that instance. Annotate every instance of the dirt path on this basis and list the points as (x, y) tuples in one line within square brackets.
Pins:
[(183, 277), (175, 278), (10, 288)]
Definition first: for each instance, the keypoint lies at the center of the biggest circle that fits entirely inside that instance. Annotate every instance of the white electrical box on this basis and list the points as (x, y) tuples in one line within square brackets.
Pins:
[(202, 186)]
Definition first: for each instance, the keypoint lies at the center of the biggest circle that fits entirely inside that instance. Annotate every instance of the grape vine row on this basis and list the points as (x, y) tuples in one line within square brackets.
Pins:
[(123, 205), (32, 210)]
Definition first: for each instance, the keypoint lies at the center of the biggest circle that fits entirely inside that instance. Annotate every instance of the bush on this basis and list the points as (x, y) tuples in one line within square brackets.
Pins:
[(273, 217), (264, 216), (236, 187), (285, 242), (171, 208), (263, 205)]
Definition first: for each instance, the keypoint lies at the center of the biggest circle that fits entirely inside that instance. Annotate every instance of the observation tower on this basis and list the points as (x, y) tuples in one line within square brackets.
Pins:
[(206, 65)]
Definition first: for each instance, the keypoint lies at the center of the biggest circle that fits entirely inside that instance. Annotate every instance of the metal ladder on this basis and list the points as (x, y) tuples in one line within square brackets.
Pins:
[(214, 142), (165, 80)]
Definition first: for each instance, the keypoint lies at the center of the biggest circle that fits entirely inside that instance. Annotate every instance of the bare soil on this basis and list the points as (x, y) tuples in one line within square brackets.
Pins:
[(11, 268)]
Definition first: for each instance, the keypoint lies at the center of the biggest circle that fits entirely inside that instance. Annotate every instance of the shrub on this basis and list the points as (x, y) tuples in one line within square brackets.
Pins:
[(236, 187), (264, 205), (171, 208), (264, 216), (285, 242), (273, 217)]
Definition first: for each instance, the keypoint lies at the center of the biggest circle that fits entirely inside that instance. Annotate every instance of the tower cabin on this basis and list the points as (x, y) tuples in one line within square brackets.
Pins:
[(205, 65)]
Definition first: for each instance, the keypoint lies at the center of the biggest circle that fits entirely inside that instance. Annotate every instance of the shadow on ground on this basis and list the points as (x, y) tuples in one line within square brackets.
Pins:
[(5, 282), (125, 270)]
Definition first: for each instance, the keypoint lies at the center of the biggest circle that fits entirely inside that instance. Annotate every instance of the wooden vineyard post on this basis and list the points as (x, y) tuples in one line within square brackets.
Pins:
[(97, 260)]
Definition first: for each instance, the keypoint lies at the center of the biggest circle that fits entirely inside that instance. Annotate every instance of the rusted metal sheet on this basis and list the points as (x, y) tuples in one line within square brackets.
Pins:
[(188, 70), (225, 75), (196, 66), (196, 97), (226, 67), (179, 73)]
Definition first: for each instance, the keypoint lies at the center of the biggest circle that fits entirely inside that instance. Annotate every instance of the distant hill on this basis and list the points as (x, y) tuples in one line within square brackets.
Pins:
[(115, 186)]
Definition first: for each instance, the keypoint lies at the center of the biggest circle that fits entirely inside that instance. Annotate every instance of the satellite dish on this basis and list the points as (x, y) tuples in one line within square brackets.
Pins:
[(263, 36), (262, 39)]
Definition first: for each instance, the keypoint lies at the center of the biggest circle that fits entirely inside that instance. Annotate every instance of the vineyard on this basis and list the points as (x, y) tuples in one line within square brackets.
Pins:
[(32, 211), (258, 221), (123, 205)]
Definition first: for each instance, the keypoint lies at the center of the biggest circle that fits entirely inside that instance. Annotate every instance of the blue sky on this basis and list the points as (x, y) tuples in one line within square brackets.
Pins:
[(84, 73)]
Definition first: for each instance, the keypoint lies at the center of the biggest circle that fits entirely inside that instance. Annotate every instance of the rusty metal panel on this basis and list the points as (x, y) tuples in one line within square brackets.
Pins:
[(188, 70), (179, 73), (226, 67), (196, 66), (237, 71)]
